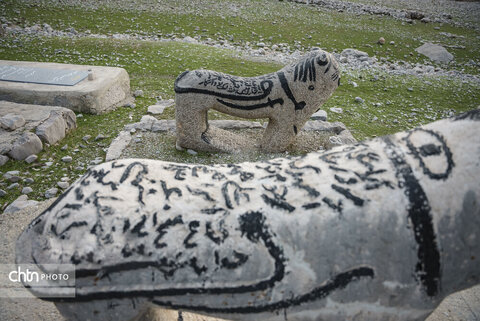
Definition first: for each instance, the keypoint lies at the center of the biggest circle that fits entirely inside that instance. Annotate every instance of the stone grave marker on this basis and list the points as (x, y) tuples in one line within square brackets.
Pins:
[(61, 77)]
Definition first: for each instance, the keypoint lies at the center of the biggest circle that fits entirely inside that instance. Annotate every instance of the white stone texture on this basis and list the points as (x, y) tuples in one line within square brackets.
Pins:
[(320, 115), (30, 159), (12, 121), (435, 52), (325, 236), (26, 145)]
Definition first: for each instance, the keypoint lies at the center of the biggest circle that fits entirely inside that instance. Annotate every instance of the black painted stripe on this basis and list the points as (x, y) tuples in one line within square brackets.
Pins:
[(288, 92), (419, 213)]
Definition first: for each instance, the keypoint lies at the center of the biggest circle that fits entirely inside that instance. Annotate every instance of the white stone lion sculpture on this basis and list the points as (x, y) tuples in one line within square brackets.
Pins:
[(287, 98)]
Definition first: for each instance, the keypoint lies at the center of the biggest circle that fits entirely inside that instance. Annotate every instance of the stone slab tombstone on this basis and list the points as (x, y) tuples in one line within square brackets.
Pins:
[(89, 89), (379, 230)]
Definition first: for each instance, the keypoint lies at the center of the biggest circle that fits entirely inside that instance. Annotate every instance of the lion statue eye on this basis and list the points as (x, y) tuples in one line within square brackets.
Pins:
[(311, 87)]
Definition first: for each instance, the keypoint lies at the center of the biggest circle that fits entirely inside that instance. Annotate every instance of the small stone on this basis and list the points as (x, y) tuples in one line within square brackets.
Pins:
[(130, 105), (65, 179), (28, 180), (261, 44), (79, 115), (3, 160), (392, 42), (67, 159), (354, 84), (64, 147), (337, 110), (319, 115), (2, 193), (12, 186), (52, 192), (160, 106), (435, 52), (63, 185), (48, 164), (359, 100), (86, 138), (138, 93), (14, 178), (410, 89), (79, 168), (99, 137), (27, 190), (96, 161), (18, 204), (381, 41), (11, 121), (192, 152), (30, 159)]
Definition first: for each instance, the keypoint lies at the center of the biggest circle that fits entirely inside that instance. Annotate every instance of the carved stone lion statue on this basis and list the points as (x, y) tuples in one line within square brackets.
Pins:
[(287, 98)]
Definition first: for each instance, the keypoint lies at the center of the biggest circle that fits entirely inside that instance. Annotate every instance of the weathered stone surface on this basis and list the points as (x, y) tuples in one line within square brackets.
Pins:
[(332, 235), (26, 145), (320, 115), (45, 120), (160, 106), (118, 145), (11, 121), (3, 160), (20, 203), (30, 159), (51, 192), (287, 98), (109, 88), (435, 52), (53, 129)]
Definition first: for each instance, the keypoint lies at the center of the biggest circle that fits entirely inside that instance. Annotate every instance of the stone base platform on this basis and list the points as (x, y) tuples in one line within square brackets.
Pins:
[(146, 139), (109, 88), (25, 128)]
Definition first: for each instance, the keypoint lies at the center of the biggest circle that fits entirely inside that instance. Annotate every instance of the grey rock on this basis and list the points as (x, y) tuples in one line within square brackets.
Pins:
[(27, 144), (118, 145), (53, 129), (2, 193), (11, 121), (159, 107), (63, 185), (3, 160), (100, 137), (138, 93), (86, 138), (27, 190), (354, 53), (192, 152), (435, 52), (337, 110), (64, 147), (319, 115), (30, 159), (12, 186), (52, 192), (28, 180), (359, 100), (67, 159), (14, 178), (19, 204)]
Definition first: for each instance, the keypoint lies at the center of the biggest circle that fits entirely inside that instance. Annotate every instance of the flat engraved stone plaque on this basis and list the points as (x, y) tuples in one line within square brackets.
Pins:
[(48, 76)]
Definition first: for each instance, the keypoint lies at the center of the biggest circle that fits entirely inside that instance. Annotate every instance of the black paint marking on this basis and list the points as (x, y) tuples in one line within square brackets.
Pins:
[(292, 165), (288, 92), (346, 192), (419, 213), (312, 192), (211, 234), (137, 229), (138, 178), (337, 207), (310, 206), (240, 259), (268, 103), (338, 282), (198, 269), (213, 210), (278, 203), (180, 317), (238, 192), (471, 115), (193, 227), (199, 192), (344, 181), (68, 228), (434, 150), (430, 150), (295, 130), (169, 191), (162, 230)]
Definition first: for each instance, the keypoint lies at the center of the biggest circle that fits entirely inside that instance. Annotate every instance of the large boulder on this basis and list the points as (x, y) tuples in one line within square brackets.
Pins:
[(435, 52), (26, 145)]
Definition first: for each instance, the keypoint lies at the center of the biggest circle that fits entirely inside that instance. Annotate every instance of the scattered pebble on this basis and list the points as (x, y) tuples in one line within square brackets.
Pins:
[(381, 41), (64, 147), (79, 115), (99, 137), (359, 100), (192, 152), (28, 180), (138, 93), (337, 110), (67, 159), (30, 159), (86, 138), (2, 193), (52, 192), (12, 186), (63, 185), (27, 190)]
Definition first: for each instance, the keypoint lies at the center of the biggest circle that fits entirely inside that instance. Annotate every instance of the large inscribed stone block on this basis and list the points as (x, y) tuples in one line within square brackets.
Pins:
[(381, 229)]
